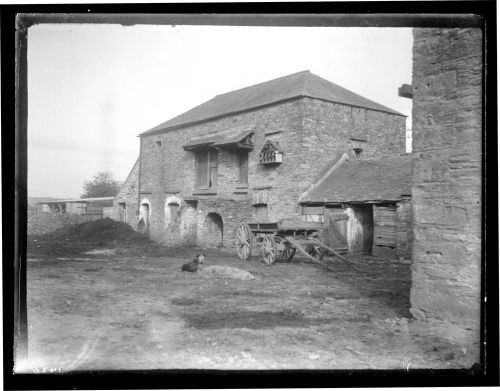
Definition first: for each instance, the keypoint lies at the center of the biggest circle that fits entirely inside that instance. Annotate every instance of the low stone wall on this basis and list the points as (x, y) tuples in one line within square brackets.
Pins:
[(41, 223)]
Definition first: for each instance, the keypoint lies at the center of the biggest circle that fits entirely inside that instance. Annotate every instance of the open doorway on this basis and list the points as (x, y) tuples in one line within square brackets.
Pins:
[(143, 226), (212, 231), (122, 209), (360, 228)]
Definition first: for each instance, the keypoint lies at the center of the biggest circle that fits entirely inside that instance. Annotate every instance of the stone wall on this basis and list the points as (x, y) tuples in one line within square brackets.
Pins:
[(377, 133), (128, 194), (41, 223), (309, 132), (403, 229), (447, 124)]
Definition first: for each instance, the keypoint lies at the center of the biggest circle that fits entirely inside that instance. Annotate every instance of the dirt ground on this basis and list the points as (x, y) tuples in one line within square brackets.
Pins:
[(126, 311)]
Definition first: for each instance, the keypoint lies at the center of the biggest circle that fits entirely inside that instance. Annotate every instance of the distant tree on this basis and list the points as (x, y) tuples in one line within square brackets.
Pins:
[(102, 185)]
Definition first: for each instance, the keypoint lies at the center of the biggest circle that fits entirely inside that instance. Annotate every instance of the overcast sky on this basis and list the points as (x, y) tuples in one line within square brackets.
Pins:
[(93, 88)]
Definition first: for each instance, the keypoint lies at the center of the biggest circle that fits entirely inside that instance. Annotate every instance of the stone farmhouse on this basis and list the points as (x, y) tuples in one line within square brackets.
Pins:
[(251, 153)]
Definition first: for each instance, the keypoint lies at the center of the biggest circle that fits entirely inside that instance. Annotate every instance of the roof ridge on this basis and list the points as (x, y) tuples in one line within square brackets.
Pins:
[(306, 83), (296, 85), (307, 71)]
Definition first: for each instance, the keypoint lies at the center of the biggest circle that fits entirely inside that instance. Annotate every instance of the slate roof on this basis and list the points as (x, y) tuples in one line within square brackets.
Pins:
[(296, 85), (363, 180)]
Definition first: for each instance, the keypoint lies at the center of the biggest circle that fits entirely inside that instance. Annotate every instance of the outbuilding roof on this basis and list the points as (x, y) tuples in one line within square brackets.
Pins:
[(365, 180), (301, 84)]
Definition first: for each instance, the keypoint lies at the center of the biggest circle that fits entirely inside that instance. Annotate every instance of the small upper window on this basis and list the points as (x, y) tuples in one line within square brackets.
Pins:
[(158, 143), (358, 153)]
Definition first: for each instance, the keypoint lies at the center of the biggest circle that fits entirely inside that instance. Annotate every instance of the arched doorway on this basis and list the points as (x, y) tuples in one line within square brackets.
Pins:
[(172, 212), (144, 214), (212, 232)]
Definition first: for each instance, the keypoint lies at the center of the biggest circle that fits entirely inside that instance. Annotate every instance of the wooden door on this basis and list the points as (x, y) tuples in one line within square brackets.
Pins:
[(123, 211), (384, 226), (260, 213), (337, 231)]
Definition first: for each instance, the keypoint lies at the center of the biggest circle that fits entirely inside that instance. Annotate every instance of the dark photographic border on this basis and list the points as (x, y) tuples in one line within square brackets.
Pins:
[(15, 21)]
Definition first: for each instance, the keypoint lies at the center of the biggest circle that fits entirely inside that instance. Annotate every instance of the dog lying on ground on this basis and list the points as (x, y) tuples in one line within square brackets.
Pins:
[(195, 265)]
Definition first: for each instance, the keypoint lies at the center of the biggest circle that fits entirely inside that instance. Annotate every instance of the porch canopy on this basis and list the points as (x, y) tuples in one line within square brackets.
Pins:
[(231, 139)]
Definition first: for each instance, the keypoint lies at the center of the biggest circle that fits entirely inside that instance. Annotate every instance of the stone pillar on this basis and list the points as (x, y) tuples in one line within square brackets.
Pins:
[(447, 125)]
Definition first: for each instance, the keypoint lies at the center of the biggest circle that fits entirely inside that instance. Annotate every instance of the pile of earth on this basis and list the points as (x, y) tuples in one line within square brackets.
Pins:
[(103, 233)]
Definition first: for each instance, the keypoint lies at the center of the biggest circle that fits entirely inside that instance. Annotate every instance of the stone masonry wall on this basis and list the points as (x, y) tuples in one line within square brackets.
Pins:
[(128, 194), (403, 229), (308, 140), (41, 223), (447, 118), (384, 133)]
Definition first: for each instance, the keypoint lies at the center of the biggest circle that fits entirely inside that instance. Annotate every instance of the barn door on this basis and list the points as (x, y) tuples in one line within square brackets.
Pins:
[(384, 233), (337, 231)]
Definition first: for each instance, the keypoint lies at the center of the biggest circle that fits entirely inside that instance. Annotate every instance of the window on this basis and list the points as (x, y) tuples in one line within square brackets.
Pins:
[(358, 153), (260, 213), (206, 168), (314, 218), (313, 214), (243, 164)]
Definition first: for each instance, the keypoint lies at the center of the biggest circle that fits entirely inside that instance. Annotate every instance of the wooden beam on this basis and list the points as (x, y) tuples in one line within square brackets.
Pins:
[(299, 248), (406, 91), (338, 255)]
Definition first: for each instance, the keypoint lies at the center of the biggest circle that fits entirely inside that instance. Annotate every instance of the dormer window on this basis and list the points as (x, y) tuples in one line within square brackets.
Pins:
[(270, 153)]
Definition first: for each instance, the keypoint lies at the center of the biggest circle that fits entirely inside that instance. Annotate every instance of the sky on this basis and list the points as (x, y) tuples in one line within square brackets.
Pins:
[(93, 88)]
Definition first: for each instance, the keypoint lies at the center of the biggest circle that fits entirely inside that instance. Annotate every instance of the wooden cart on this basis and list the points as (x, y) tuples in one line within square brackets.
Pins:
[(279, 242)]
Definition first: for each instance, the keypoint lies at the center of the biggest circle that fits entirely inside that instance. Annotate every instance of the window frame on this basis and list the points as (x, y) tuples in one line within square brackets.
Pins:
[(243, 169), (212, 168), (260, 212)]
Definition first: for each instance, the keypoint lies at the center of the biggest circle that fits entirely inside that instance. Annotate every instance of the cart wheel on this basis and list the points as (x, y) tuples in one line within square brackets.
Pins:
[(285, 249), (244, 241), (269, 251)]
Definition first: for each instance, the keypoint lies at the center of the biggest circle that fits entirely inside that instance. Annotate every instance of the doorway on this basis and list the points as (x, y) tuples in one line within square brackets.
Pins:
[(122, 209), (212, 232), (360, 228), (143, 226)]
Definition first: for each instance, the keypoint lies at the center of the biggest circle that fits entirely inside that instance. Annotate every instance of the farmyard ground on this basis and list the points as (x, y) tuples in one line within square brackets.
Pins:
[(126, 311)]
